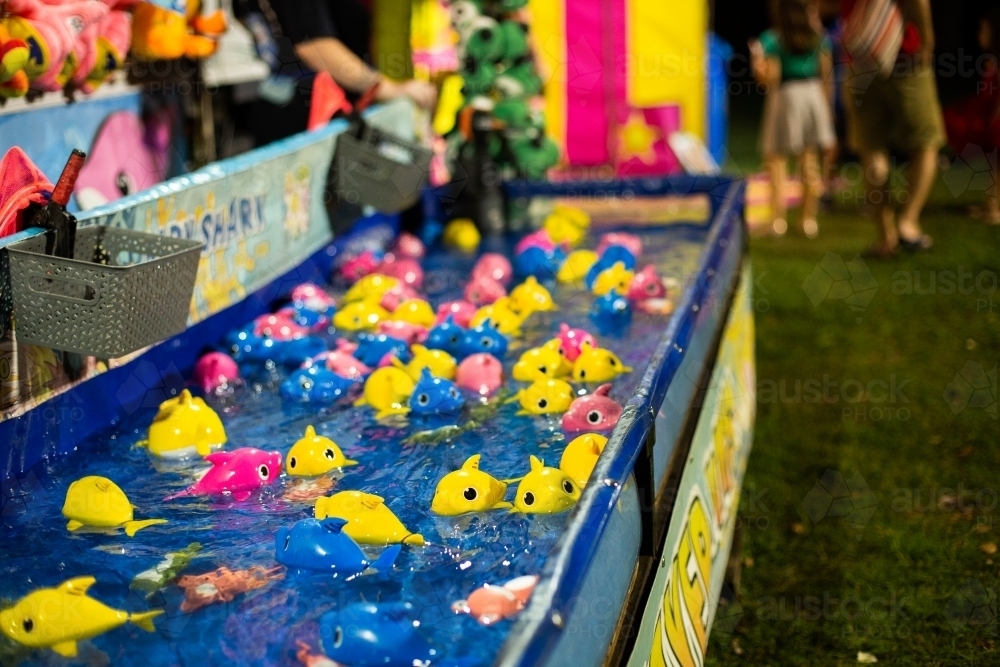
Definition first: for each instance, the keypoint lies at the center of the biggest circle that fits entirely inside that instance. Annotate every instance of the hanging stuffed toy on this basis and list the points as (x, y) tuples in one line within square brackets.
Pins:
[(51, 32), (13, 60), (102, 46), (169, 29)]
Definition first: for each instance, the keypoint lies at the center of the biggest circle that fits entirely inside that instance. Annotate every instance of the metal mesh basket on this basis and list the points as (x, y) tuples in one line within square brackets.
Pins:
[(379, 170), (140, 297)]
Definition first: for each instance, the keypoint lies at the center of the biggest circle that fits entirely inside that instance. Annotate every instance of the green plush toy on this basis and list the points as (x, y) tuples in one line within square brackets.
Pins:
[(534, 156), (513, 113), (479, 77), (515, 41), (486, 41), (464, 14), (519, 80), (512, 5)]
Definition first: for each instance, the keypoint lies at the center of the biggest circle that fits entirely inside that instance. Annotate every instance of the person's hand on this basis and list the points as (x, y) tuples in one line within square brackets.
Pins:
[(422, 93)]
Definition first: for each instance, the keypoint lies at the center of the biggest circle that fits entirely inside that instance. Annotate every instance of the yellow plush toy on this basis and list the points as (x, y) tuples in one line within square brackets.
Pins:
[(166, 33)]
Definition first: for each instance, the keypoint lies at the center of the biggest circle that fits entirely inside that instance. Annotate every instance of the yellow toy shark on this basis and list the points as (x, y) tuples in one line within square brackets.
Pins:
[(545, 490), (567, 225), (414, 311), (469, 489), (574, 269), (370, 288), (531, 297), (97, 502), (369, 521), (185, 426), (360, 316), (461, 233), (545, 361), (615, 277), (580, 456), (59, 617), (544, 396), (596, 364), (438, 362), (387, 390), (506, 320), (314, 455)]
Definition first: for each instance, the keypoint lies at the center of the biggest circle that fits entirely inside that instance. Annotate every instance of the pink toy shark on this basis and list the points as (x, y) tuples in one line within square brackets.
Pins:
[(397, 295), (279, 326), (461, 313), (214, 370), (630, 242), (537, 239), (239, 472), (573, 340), (489, 604), (342, 363), (408, 245), (646, 284), (404, 269), (483, 290), (481, 373), (411, 333), (359, 266), (496, 266), (593, 412), (313, 297)]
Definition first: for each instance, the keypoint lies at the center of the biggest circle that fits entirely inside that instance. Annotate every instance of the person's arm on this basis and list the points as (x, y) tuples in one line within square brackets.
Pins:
[(918, 12), (766, 69)]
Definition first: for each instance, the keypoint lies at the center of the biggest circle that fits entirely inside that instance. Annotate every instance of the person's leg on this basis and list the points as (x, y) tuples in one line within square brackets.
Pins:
[(921, 173), (776, 169), (876, 168), (812, 190), (871, 131), (993, 199)]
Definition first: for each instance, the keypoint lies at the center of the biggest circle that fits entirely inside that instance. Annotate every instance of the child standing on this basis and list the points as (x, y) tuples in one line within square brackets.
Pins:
[(793, 60)]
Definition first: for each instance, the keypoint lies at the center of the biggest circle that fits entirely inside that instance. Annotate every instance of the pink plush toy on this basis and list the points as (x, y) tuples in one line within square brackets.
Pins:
[(496, 266), (481, 373), (461, 313), (214, 370), (405, 269), (630, 242), (483, 290), (103, 47), (593, 412), (572, 341)]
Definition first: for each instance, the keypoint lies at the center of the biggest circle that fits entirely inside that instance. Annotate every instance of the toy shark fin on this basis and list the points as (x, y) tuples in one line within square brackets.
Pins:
[(414, 539), (391, 412), (319, 509), (310, 432), (185, 398), (472, 463), (603, 389), (145, 619), (73, 524), (66, 649), (349, 462), (626, 369), (397, 363), (218, 458), (502, 505), (386, 559), (522, 413), (334, 524), (77, 585), (511, 480), (371, 501), (536, 463), (203, 449), (361, 401), (133, 527)]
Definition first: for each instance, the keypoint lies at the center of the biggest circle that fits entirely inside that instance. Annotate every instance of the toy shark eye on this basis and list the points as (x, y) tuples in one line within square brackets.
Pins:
[(288, 540), (529, 498), (470, 493), (611, 362), (338, 637), (423, 399), (568, 486), (486, 342), (542, 404), (291, 462), (305, 382), (651, 288), (594, 416), (28, 625), (263, 472), (329, 454), (454, 339), (453, 392), (542, 369), (583, 374)]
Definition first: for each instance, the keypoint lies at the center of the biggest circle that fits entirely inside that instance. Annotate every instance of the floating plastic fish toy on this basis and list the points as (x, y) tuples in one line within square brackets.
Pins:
[(483, 338), (545, 361), (214, 371), (414, 311), (379, 349), (469, 489), (438, 362), (545, 490), (280, 326), (366, 634), (397, 295), (593, 412), (573, 340), (369, 520), (531, 297), (98, 503), (316, 382), (500, 315), (408, 245), (460, 312), (435, 396), (646, 284), (185, 426), (539, 263), (631, 243), (483, 290), (362, 264), (388, 391), (343, 363), (405, 331), (360, 316), (580, 456), (370, 288), (312, 297), (480, 373), (404, 269), (322, 545), (310, 320), (157, 577), (239, 473), (58, 618), (462, 234), (537, 239), (567, 225), (223, 585), (576, 266), (611, 312), (545, 396), (314, 455), (615, 277), (446, 336), (596, 364), (289, 353), (495, 266), (489, 604)]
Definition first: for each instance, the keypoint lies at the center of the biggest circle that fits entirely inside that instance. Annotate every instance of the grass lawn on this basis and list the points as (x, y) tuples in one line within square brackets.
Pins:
[(870, 509)]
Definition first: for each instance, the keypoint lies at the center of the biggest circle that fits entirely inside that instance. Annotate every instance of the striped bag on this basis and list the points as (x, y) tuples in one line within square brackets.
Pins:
[(873, 35)]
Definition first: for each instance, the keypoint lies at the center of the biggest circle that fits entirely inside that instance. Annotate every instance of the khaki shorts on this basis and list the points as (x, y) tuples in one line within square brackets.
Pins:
[(901, 112)]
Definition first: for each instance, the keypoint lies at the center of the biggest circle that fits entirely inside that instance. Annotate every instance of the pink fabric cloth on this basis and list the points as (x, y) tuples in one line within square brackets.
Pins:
[(21, 184)]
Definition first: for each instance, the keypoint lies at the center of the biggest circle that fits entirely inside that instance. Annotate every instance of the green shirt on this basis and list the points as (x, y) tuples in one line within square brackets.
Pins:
[(794, 66)]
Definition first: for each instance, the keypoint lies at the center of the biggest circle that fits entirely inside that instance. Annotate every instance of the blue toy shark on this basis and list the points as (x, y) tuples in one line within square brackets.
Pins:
[(435, 396), (375, 635), (373, 347), (323, 546), (610, 313), (446, 336), (484, 338), (315, 382)]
